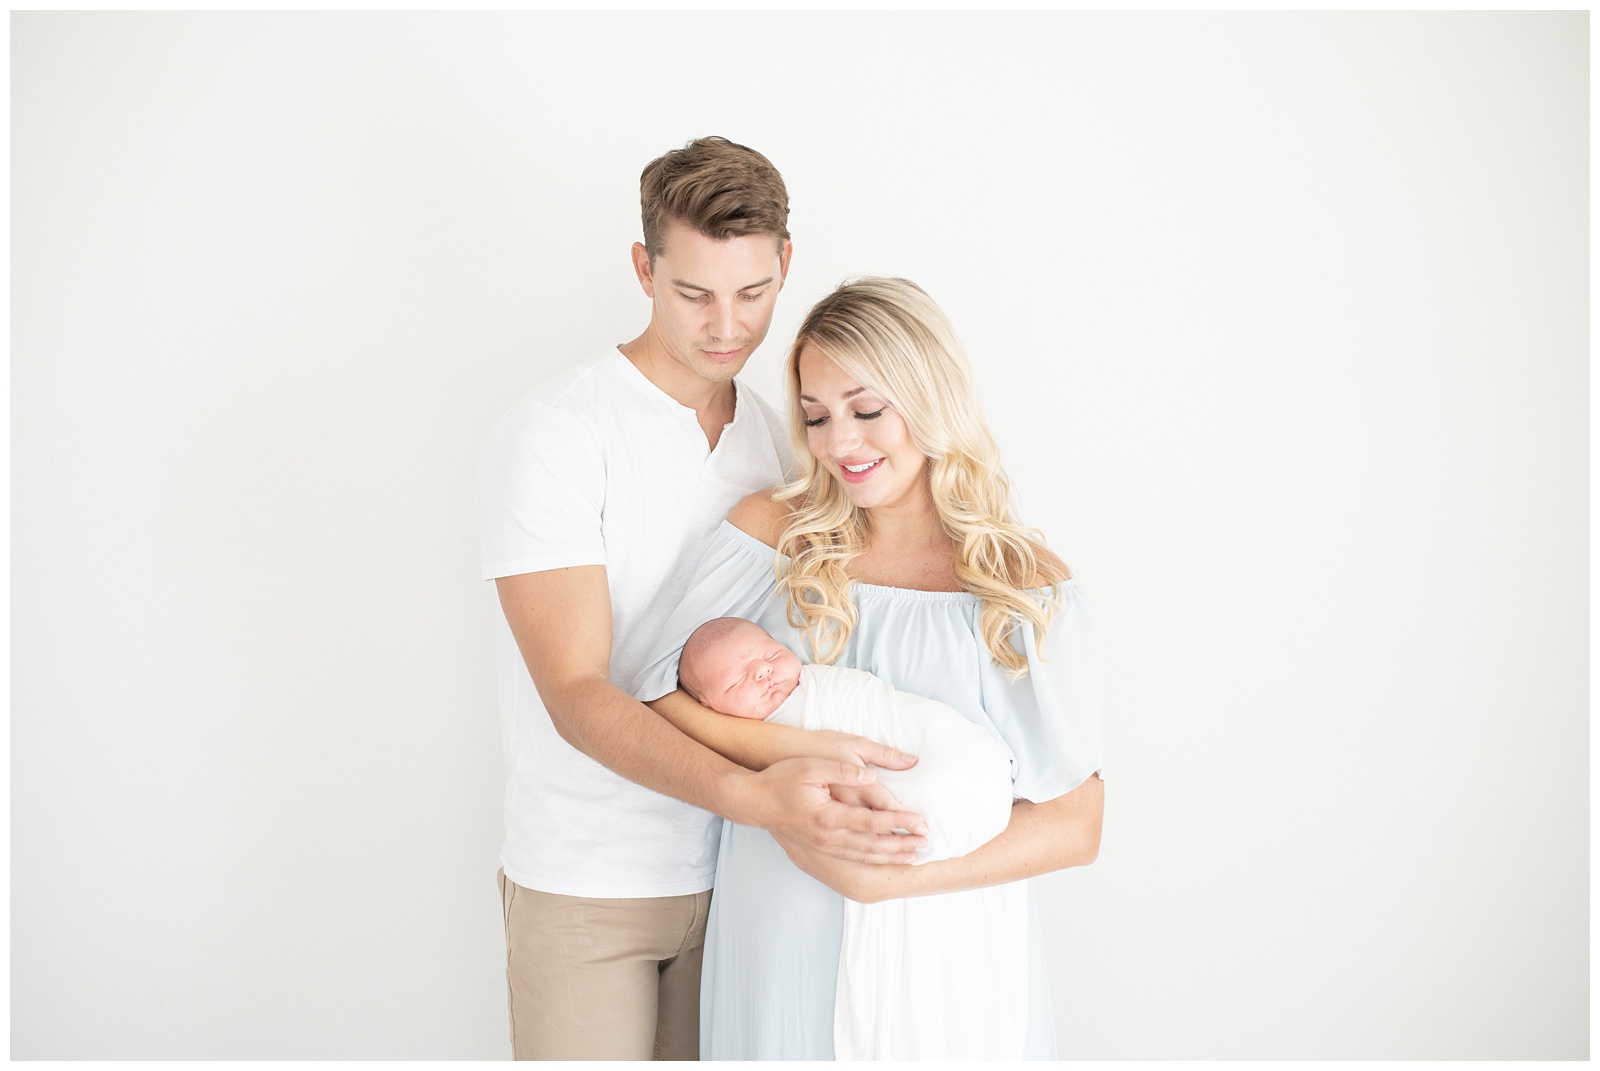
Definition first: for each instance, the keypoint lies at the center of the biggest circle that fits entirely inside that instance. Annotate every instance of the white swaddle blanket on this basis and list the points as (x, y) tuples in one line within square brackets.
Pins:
[(927, 977)]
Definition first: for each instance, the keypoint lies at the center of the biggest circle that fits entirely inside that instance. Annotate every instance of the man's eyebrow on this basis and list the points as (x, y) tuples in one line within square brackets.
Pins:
[(846, 396), (686, 285)]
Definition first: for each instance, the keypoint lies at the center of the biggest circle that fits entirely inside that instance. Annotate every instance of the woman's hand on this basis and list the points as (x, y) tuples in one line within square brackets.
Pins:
[(1041, 837), (814, 790), (866, 883), (756, 745), (847, 747)]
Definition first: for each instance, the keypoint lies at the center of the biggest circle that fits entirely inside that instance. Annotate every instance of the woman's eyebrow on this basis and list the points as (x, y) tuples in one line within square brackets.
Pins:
[(846, 396)]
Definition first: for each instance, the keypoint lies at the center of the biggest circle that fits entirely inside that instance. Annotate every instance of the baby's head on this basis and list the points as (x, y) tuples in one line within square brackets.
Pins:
[(732, 666)]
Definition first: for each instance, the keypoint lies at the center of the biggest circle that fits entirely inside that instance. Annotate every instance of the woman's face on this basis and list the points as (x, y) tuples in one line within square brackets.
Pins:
[(858, 437)]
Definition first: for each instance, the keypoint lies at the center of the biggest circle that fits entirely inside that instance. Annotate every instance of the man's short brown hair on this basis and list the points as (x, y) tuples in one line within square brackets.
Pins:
[(721, 189)]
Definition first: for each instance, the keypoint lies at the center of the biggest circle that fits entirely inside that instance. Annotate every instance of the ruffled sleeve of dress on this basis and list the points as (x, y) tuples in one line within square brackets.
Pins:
[(734, 579), (1051, 717)]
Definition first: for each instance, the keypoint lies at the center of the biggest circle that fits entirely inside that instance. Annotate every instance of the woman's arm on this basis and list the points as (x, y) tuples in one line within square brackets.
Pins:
[(755, 745), (1041, 837)]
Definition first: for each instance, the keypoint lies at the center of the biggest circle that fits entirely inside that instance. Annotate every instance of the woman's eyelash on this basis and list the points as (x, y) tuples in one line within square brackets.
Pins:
[(874, 415)]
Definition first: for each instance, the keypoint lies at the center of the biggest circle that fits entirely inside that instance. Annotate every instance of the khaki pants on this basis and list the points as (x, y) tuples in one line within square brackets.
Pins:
[(603, 979)]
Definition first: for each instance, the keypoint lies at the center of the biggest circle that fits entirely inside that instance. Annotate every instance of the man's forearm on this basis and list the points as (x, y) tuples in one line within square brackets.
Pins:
[(625, 736), (561, 621)]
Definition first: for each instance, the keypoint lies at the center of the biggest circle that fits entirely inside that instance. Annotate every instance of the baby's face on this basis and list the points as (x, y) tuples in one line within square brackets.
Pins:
[(748, 673)]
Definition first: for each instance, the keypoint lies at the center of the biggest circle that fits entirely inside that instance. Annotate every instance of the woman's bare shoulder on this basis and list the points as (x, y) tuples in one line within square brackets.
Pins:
[(759, 516)]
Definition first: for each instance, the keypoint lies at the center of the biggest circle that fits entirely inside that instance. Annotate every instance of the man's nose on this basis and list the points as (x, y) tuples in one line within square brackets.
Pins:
[(724, 321)]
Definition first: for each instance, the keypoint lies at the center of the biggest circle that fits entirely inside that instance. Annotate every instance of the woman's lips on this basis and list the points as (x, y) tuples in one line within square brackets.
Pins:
[(858, 477)]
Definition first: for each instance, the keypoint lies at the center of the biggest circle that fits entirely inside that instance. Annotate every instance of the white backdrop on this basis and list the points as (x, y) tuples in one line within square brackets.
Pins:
[(1281, 319)]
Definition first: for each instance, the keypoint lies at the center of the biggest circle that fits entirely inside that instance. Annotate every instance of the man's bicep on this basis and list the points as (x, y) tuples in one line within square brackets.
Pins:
[(561, 619)]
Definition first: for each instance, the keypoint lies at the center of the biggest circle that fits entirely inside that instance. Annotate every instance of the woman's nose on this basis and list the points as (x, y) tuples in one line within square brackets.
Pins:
[(843, 438)]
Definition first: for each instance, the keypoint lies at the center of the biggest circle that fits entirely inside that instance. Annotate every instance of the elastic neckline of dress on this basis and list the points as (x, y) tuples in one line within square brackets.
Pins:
[(879, 589)]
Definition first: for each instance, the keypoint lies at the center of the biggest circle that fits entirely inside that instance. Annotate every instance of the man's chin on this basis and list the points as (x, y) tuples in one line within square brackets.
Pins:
[(719, 371)]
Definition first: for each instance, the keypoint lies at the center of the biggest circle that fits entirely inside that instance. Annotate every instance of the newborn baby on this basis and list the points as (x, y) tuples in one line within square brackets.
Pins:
[(928, 977)]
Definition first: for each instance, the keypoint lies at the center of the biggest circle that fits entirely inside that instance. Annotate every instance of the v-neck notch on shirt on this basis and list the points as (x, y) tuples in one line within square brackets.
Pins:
[(685, 414)]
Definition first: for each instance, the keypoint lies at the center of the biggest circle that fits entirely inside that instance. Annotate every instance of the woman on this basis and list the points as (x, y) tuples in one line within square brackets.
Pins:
[(893, 551)]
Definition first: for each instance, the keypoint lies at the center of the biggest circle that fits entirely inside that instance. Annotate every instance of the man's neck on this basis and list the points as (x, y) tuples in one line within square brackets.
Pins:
[(713, 403)]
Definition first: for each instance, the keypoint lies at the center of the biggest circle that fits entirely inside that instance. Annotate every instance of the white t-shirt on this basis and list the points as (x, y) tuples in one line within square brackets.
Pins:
[(598, 466), (941, 977)]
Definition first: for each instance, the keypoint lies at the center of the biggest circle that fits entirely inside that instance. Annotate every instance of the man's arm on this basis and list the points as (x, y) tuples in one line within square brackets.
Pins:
[(561, 620)]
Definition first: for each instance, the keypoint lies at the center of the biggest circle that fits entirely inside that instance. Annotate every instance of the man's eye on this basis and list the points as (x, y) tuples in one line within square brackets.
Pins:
[(751, 298), (693, 297)]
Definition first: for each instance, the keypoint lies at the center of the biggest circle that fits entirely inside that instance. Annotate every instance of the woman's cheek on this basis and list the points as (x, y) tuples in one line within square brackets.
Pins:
[(817, 442)]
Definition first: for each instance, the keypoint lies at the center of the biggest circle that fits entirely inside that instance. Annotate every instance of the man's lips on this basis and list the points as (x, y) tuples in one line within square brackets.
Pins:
[(857, 477)]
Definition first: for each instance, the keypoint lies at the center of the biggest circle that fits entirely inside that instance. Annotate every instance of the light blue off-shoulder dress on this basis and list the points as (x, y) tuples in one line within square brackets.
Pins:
[(772, 942)]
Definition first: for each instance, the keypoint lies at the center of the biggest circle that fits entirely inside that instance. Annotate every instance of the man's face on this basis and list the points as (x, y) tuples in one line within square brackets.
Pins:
[(712, 301)]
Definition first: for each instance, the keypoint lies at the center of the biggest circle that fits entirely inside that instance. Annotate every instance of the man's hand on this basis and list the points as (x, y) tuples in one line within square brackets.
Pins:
[(863, 752), (794, 801)]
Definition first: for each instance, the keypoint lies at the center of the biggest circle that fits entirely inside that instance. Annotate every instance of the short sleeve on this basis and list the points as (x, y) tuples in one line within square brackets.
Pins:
[(734, 579), (540, 493), (1051, 718)]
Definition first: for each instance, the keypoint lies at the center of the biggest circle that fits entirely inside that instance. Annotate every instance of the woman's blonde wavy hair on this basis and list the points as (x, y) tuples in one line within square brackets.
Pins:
[(889, 336)]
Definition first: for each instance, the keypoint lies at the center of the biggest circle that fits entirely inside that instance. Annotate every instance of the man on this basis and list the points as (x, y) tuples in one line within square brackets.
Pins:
[(596, 493)]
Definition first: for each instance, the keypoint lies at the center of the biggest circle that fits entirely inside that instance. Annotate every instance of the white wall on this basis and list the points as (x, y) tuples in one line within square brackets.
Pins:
[(1281, 320)]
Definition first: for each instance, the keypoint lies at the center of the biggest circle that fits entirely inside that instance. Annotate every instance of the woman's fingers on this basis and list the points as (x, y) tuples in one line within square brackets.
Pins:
[(866, 752), (883, 755)]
